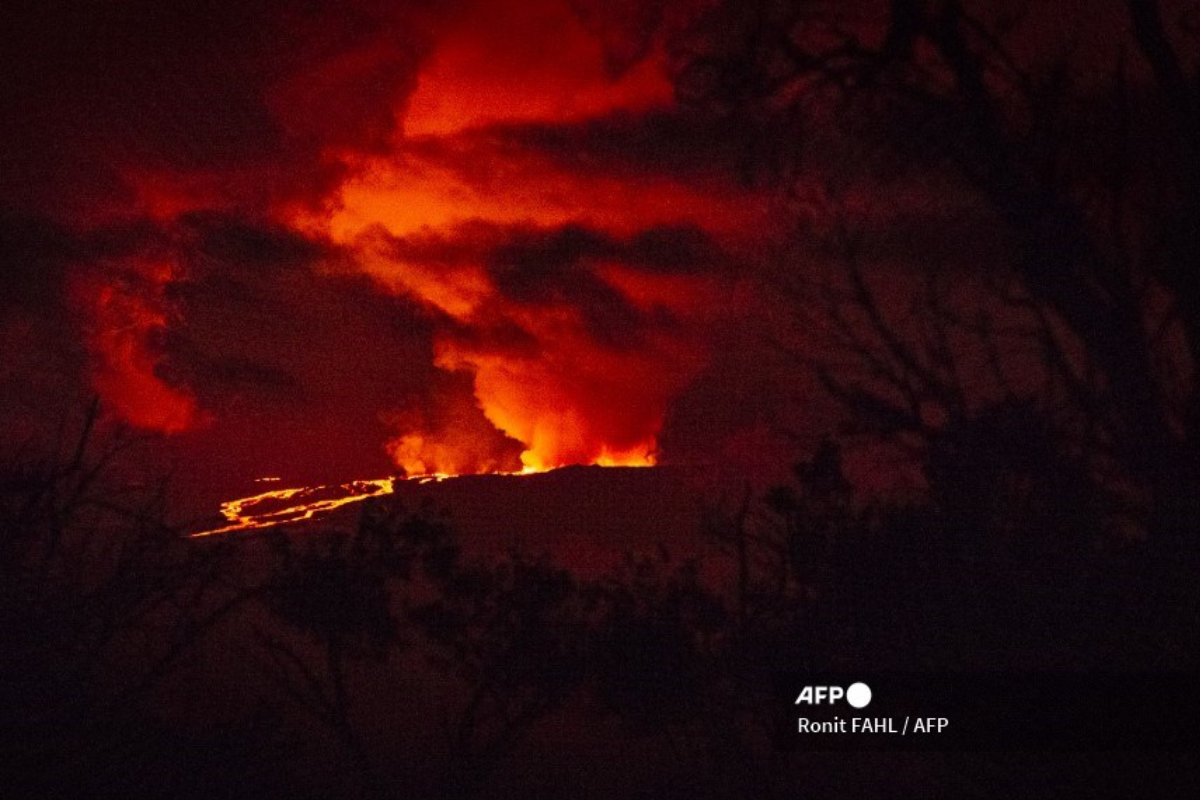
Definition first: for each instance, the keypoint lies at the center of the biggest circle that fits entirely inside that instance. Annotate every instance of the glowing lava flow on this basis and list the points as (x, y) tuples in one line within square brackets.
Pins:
[(306, 502), (299, 504)]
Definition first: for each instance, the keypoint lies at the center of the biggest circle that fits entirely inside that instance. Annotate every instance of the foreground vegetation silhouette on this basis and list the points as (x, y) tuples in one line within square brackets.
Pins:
[(380, 660)]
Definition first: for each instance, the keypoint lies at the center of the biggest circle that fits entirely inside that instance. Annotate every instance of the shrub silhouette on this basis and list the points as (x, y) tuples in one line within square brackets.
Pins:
[(100, 601)]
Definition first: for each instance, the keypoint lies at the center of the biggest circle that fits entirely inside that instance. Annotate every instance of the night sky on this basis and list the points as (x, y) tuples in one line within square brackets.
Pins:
[(329, 241), (335, 240)]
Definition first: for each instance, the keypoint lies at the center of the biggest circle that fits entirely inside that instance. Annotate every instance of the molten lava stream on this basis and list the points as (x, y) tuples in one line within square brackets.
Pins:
[(306, 502), (283, 506)]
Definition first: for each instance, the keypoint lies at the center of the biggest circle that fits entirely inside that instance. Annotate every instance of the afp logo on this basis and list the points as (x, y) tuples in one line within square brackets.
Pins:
[(856, 694)]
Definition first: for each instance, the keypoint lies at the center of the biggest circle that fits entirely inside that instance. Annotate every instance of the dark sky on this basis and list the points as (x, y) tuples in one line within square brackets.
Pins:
[(332, 238)]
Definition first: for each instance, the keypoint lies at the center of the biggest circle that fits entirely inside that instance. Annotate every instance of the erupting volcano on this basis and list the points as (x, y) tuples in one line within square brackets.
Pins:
[(483, 238)]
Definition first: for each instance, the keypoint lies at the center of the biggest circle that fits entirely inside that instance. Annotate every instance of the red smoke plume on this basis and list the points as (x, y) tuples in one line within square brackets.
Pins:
[(124, 317), (515, 176)]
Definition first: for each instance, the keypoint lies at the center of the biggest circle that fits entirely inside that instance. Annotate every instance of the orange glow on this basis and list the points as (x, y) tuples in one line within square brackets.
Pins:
[(122, 318), (414, 192), (607, 412), (418, 454), (558, 377), (425, 217), (574, 400), (336, 195), (455, 290)]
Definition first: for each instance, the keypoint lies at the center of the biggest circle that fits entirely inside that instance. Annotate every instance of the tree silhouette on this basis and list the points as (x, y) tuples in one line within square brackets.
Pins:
[(684, 655), (101, 600), (969, 93), (1044, 391)]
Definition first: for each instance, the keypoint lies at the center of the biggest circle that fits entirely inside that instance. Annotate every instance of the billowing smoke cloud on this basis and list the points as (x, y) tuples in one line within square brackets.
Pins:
[(576, 340), (443, 430), (569, 232), (472, 235), (125, 316)]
